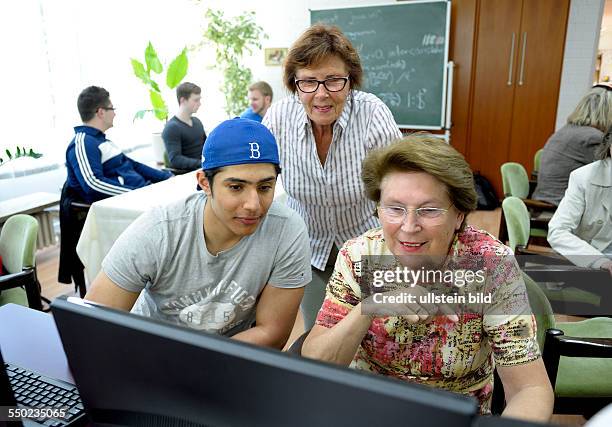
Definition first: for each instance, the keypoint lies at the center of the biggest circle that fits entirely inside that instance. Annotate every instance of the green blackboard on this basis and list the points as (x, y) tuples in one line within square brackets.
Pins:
[(404, 54)]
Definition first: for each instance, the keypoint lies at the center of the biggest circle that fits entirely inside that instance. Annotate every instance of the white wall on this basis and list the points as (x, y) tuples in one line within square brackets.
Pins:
[(70, 44), (580, 53)]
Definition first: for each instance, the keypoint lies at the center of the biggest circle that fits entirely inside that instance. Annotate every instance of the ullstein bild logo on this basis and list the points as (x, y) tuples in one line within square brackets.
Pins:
[(255, 154)]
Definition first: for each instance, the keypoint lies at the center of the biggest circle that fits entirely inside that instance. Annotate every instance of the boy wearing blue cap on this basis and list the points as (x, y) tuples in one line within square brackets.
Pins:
[(222, 258)]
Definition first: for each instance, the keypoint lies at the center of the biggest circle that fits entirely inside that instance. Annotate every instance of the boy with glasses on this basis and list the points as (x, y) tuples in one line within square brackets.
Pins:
[(97, 168)]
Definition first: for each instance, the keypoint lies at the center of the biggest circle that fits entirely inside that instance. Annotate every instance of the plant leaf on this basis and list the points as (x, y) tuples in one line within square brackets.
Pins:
[(139, 115), (8, 153), (177, 70), (159, 106), (152, 60), (140, 71)]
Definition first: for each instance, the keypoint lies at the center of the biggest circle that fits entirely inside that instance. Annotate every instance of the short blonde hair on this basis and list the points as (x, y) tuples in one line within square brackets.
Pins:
[(422, 153), (262, 87), (594, 109)]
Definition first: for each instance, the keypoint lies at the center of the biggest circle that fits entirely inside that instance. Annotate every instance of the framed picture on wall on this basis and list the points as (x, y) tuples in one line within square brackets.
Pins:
[(275, 55)]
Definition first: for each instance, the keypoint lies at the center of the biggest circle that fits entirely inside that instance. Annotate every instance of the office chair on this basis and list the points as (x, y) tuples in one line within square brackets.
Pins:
[(73, 212), (578, 360), (17, 249), (567, 287), (537, 160), (515, 182), (578, 365)]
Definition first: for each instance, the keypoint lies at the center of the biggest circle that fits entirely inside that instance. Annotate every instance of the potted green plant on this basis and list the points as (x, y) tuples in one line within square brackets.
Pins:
[(19, 152), (233, 38), (176, 72)]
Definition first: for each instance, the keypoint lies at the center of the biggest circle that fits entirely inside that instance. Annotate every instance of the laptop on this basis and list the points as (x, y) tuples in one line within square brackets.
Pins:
[(32, 399)]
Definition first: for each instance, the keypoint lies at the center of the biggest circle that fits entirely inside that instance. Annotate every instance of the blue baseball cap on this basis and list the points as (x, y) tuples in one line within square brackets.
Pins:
[(239, 141)]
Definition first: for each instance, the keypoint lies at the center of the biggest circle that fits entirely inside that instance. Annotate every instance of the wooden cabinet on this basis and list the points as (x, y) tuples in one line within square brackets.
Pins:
[(514, 77)]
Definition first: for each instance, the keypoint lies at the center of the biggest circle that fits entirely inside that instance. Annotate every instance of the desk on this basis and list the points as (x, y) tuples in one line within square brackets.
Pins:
[(108, 218), (34, 204), (29, 338)]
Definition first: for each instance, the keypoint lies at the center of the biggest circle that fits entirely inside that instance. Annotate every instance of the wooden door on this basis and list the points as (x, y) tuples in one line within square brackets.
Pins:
[(542, 42), (493, 86)]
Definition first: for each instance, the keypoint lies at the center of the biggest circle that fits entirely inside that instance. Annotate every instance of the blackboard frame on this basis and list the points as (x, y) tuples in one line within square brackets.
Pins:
[(446, 84)]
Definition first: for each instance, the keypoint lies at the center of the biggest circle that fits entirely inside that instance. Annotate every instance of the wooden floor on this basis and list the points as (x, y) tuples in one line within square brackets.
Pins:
[(48, 261)]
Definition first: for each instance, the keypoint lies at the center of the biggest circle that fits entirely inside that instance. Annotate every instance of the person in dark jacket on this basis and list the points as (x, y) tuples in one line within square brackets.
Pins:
[(97, 168), (575, 144)]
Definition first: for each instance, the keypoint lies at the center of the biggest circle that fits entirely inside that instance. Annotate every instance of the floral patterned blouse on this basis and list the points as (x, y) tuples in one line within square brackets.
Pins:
[(460, 356)]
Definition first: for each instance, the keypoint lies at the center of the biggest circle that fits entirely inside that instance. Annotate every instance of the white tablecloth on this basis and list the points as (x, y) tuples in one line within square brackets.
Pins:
[(108, 218)]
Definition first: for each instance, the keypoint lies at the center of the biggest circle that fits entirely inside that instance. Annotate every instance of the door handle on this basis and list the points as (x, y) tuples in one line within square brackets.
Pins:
[(511, 60), (522, 72)]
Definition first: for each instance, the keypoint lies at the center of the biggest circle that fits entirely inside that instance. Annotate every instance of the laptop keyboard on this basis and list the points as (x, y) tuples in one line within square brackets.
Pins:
[(36, 391)]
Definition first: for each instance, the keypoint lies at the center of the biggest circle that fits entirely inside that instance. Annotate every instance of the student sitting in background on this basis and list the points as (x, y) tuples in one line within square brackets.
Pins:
[(96, 167), (575, 144), (581, 228), (221, 258), (184, 134), (260, 99)]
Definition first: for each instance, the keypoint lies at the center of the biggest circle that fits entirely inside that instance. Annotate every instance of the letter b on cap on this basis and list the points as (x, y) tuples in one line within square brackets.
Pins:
[(255, 154)]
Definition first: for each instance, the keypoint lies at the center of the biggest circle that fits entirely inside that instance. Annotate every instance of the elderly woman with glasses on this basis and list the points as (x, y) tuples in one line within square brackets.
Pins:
[(324, 132), (424, 190)]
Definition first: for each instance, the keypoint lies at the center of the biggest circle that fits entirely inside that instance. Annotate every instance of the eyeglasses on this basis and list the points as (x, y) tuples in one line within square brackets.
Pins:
[(108, 108), (333, 84), (398, 214)]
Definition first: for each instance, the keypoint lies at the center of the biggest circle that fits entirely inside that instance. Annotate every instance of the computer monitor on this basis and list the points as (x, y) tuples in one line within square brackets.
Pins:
[(132, 370)]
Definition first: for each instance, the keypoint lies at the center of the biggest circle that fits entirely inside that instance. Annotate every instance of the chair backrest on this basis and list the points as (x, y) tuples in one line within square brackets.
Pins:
[(515, 180), (516, 216), (541, 309), (18, 242), (537, 159)]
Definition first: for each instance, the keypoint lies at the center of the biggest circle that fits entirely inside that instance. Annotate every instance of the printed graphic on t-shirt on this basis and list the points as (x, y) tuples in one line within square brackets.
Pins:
[(215, 309)]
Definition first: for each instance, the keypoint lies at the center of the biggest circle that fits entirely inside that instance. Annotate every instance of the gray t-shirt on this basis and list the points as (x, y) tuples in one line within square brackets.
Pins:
[(163, 253)]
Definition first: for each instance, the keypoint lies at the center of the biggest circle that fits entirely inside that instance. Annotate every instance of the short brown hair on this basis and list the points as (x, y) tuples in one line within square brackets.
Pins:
[(263, 87), (184, 90), (422, 153), (90, 99), (315, 45)]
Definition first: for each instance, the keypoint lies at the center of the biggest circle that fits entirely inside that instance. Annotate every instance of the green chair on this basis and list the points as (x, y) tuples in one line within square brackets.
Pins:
[(515, 182), (537, 160), (577, 357), (17, 248), (557, 274)]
